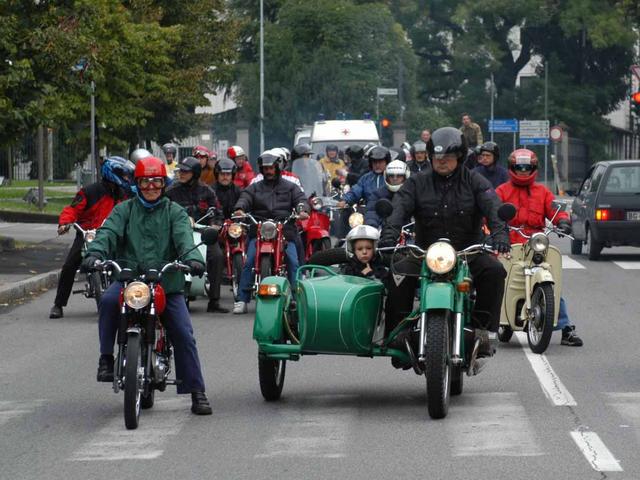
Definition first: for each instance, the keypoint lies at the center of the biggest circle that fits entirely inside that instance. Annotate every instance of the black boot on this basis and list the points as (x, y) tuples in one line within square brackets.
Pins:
[(56, 312), (570, 338), (214, 306), (105, 368), (200, 403)]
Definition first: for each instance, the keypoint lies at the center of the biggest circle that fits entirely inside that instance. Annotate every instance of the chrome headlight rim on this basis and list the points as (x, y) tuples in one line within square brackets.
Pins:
[(441, 257), (317, 204), (89, 236), (235, 230), (268, 230), (356, 219), (539, 242), (137, 295)]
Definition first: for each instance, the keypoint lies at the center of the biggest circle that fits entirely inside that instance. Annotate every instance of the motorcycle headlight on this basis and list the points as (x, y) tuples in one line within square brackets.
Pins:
[(137, 295), (539, 242), (316, 204), (441, 257), (268, 230), (235, 230), (356, 219), (89, 235)]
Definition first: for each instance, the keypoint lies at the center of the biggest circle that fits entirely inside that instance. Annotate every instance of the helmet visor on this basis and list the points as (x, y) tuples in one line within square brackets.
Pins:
[(523, 167)]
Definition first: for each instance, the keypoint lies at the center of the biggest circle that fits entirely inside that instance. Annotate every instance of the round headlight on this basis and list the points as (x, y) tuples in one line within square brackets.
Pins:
[(137, 295), (89, 235), (316, 203), (356, 219), (235, 230), (268, 230), (539, 242), (441, 257)]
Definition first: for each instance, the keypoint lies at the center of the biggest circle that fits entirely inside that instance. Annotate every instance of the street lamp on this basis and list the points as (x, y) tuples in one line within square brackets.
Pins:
[(261, 76)]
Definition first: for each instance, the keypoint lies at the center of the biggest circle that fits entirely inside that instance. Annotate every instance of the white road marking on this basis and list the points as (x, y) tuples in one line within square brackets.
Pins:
[(569, 263), (491, 424), (310, 433), (628, 265), (551, 384), (596, 452), (10, 410), (115, 442)]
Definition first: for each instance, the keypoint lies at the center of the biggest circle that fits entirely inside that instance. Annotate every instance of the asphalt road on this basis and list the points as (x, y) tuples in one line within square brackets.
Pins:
[(573, 413)]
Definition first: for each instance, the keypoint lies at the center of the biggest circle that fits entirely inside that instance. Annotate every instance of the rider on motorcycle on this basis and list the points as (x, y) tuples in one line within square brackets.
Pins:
[(489, 154), (170, 154), (274, 198), (245, 173), (331, 162), (395, 175), (227, 192), (534, 202), (141, 231), (197, 198), (379, 157), (449, 202), (284, 155), (202, 154), (358, 164), (89, 208), (138, 154), (420, 161)]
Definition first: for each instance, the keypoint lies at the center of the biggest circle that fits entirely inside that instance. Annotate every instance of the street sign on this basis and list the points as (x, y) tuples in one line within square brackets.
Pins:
[(387, 91), (534, 141), (556, 133), (534, 132), (509, 125)]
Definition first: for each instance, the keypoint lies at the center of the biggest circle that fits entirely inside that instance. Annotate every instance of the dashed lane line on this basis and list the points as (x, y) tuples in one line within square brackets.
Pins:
[(628, 265), (569, 263), (595, 451)]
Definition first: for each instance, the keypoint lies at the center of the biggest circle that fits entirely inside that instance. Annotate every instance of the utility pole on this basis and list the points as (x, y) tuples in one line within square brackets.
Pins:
[(261, 76), (546, 117), (92, 162), (400, 92), (492, 101), (40, 153)]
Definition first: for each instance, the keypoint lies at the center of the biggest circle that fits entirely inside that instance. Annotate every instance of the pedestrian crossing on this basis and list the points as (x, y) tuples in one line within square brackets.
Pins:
[(570, 263)]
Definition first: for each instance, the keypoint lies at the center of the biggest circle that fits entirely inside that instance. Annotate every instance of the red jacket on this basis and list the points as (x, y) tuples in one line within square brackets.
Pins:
[(91, 205), (534, 206), (244, 175)]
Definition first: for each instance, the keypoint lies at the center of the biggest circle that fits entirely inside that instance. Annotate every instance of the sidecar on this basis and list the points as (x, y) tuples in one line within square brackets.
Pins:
[(335, 314)]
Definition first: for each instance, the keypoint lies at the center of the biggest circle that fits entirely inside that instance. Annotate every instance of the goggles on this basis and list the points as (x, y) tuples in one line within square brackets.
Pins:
[(522, 167), (148, 183)]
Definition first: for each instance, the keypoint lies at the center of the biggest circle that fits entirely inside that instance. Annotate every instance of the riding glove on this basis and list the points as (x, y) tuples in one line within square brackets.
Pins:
[(565, 227), (501, 246), (88, 263), (197, 268)]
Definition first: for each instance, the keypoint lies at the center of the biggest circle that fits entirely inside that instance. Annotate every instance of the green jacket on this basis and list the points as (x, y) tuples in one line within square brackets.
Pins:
[(147, 238)]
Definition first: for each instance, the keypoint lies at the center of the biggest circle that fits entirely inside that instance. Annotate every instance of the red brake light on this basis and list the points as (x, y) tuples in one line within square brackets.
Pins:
[(159, 298)]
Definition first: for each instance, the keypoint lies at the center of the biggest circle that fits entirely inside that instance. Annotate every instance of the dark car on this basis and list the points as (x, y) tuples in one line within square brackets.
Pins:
[(606, 211)]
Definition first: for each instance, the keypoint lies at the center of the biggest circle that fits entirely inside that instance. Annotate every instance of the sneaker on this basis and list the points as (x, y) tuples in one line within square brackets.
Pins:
[(214, 307), (56, 312), (570, 338), (105, 368), (200, 403), (240, 308)]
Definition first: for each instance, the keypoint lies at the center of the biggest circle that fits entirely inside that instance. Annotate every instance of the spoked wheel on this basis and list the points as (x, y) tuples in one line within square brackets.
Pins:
[(540, 326), (236, 265), (505, 332), (438, 369), (133, 381), (271, 374)]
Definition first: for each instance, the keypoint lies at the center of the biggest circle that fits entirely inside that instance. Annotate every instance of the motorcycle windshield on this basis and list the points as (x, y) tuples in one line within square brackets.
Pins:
[(311, 176)]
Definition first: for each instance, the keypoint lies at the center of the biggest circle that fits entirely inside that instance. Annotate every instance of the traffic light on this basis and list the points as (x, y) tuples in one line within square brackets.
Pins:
[(386, 123), (635, 103)]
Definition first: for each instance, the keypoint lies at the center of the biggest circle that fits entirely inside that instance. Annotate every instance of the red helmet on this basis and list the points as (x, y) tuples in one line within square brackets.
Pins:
[(150, 167), (213, 155), (200, 150), (523, 160), (235, 151)]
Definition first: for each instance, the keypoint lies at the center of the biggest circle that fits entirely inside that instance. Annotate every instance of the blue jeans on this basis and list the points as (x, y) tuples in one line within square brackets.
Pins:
[(176, 321), (563, 316), (246, 278)]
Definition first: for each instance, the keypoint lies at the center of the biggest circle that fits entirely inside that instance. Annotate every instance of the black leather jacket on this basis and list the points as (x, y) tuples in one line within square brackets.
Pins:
[(196, 198)]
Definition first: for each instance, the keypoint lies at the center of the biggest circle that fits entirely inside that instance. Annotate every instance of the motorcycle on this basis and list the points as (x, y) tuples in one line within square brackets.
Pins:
[(533, 285), (315, 229), (234, 237), (143, 363), (340, 315), (96, 282)]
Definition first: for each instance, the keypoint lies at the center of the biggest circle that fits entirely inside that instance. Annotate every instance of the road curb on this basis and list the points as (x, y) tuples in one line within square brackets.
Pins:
[(25, 288)]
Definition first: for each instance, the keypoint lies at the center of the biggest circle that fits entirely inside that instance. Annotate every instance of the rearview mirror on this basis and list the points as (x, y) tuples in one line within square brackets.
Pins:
[(507, 211), (384, 208), (209, 236)]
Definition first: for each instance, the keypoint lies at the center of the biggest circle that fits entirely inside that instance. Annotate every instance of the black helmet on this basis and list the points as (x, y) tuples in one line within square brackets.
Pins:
[(355, 152), (191, 164), (331, 147), (300, 150), (491, 147), (169, 148), (379, 153), (268, 159), (225, 165), (449, 140), (397, 153)]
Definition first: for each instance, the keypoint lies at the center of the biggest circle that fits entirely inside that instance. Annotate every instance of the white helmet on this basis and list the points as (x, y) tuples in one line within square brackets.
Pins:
[(282, 152), (397, 167), (139, 154), (361, 232)]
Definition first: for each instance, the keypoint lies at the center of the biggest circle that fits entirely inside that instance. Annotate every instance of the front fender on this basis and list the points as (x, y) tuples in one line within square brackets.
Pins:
[(437, 295), (267, 326), (541, 275)]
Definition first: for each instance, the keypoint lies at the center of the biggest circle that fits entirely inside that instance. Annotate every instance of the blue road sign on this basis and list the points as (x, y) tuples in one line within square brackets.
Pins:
[(534, 141), (506, 125)]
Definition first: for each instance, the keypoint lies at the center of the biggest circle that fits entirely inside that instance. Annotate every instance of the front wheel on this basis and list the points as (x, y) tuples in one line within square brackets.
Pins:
[(540, 326), (133, 381), (438, 363), (266, 266), (321, 245), (96, 287), (237, 264), (271, 374)]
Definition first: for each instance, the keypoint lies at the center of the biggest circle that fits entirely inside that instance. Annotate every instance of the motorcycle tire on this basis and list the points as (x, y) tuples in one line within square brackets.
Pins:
[(133, 378), (237, 264), (271, 375), (321, 244), (266, 266), (505, 333), (457, 380), (543, 305), (147, 399), (332, 256), (438, 369), (97, 287)]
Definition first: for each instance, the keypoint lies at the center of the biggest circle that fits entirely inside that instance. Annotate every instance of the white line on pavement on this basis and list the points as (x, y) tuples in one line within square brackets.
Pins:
[(569, 263), (492, 424), (10, 410), (115, 442), (628, 265), (596, 452), (551, 384)]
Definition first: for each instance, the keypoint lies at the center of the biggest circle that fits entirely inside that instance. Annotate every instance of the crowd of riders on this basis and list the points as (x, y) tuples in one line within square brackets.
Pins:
[(449, 190)]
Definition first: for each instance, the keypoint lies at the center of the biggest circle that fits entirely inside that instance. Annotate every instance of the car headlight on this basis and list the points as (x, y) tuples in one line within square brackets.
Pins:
[(268, 230), (356, 219), (89, 235), (539, 242), (441, 257), (137, 295), (235, 230)]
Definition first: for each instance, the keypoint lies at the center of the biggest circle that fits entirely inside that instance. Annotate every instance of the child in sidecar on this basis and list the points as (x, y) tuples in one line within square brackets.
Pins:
[(364, 260)]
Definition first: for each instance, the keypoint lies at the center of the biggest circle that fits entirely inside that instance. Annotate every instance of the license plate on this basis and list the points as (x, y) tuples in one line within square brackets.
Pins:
[(635, 216)]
